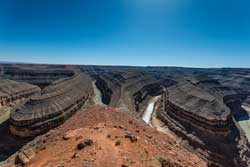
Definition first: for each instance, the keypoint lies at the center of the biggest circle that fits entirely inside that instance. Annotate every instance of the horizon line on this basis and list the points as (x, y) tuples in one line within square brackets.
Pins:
[(121, 65)]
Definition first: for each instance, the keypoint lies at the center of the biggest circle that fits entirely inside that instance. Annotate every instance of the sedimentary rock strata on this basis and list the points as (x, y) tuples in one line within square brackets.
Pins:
[(110, 88), (205, 122), (127, 88), (11, 91), (201, 106), (53, 106), (12, 95), (41, 75), (138, 89)]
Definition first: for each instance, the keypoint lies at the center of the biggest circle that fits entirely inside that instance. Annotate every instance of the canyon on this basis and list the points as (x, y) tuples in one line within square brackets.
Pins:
[(202, 109)]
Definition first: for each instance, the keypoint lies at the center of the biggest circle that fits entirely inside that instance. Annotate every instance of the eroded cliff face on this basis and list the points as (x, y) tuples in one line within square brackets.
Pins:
[(198, 105), (129, 89), (40, 75), (12, 94), (106, 92), (52, 107), (11, 91), (203, 119)]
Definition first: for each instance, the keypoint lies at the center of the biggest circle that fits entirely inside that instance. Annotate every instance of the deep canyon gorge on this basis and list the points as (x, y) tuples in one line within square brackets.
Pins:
[(205, 110)]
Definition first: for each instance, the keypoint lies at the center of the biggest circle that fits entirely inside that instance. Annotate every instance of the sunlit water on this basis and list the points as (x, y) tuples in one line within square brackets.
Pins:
[(148, 113), (245, 123)]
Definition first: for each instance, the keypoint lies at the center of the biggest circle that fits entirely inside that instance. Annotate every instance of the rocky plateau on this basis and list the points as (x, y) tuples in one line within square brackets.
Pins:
[(49, 116)]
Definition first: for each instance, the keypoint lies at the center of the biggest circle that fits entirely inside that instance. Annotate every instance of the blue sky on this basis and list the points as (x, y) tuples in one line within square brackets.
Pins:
[(197, 33)]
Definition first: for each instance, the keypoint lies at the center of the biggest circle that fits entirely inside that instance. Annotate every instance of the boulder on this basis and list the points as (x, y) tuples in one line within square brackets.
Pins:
[(24, 157), (85, 143)]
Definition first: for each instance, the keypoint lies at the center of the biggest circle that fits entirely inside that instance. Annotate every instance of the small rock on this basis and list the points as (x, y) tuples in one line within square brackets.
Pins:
[(164, 162), (88, 142), (124, 165), (79, 137), (24, 157), (92, 153), (168, 163), (66, 136), (42, 147), (149, 136), (76, 155), (21, 159), (84, 143), (132, 138), (81, 146), (122, 127)]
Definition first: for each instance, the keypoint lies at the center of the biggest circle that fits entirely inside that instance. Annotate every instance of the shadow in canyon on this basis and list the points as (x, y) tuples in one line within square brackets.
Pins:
[(9, 144)]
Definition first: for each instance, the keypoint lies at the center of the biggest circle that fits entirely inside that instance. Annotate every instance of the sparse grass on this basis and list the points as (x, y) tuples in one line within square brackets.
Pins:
[(117, 142)]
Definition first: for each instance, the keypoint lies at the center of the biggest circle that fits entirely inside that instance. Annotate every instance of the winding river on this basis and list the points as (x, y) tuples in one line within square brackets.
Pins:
[(244, 122), (149, 110)]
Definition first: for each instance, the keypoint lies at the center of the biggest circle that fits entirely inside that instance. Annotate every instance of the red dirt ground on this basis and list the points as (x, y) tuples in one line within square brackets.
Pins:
[(107, 126)]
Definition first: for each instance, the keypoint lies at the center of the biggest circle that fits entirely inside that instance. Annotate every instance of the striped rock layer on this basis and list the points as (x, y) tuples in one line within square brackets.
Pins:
[(11, 91), (52, 107), (204, 119)]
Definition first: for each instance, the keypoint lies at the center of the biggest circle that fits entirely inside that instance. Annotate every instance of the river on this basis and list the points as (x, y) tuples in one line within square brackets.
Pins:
[(244, 122), (149, 110)]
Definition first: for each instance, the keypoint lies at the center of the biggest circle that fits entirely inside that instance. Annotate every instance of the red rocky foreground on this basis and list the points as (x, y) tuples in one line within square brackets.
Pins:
[(105, 137)]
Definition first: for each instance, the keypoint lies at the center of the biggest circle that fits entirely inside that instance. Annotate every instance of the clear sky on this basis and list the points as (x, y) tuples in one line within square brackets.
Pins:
[(198, 33)]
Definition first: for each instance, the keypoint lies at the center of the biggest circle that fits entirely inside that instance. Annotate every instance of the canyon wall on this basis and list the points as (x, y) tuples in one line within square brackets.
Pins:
[(200, 106), (205, 122), (12, 91), (41, 75), (52, 107)]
